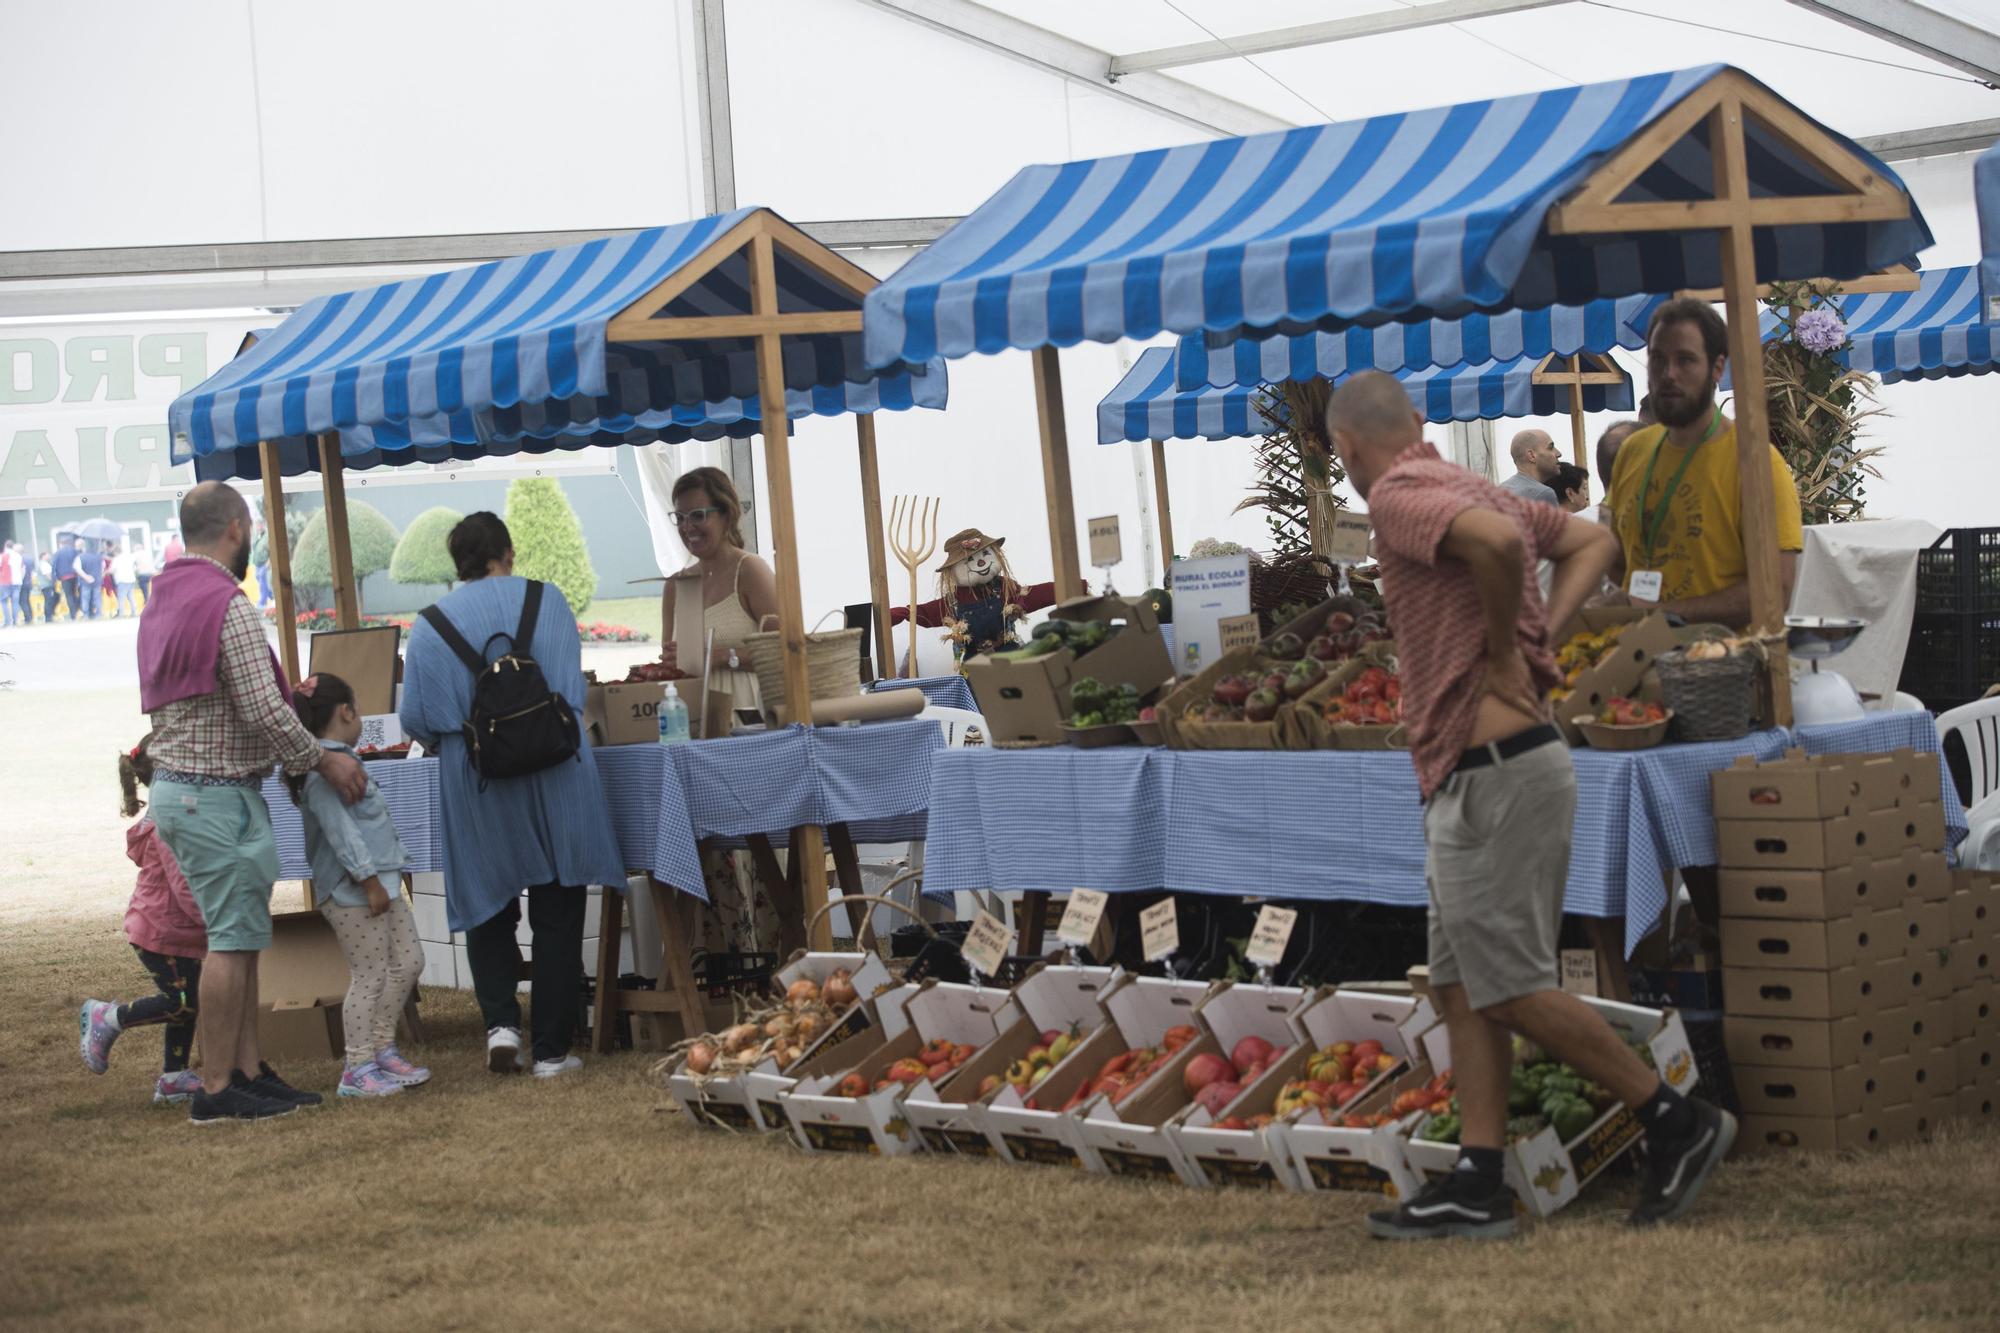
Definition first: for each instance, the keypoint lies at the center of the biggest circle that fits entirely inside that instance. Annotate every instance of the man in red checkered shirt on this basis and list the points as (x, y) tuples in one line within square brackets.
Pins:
[(1458, 572)]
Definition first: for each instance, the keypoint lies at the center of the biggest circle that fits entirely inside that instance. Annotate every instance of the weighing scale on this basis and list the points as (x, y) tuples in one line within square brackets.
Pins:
[(1823, 696)]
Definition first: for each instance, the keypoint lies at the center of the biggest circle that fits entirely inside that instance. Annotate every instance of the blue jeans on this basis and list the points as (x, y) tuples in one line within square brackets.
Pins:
[(10, 604), (93, 599), (128, 600)]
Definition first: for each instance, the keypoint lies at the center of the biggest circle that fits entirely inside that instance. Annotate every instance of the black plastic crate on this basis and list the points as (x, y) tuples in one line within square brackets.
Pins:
[(909, 941), (722, 973), (1960, 573), (1953, 657)]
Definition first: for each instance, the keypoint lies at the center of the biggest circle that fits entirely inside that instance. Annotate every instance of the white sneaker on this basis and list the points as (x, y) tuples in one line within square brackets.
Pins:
[(569, 1064), (503, 1050)]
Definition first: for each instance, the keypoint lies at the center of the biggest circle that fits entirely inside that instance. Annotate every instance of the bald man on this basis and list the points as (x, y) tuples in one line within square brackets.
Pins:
[(1458, 557), (1536, 462)]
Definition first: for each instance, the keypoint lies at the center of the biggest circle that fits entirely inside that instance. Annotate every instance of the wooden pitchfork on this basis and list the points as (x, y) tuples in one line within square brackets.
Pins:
[(913, 536)]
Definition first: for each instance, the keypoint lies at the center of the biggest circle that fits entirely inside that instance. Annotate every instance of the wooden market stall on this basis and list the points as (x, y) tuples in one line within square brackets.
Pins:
[(1694, 178), (621, 340)]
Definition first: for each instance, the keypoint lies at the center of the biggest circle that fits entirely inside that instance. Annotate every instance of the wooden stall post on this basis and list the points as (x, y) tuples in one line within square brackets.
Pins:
[(1162, 503), (878, 556), (1577, 445), (1067, 571), (808, 848), (339, 554), (279, 543)]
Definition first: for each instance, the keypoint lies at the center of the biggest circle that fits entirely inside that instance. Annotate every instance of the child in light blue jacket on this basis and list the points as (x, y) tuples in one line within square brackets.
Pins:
[(353, 849)]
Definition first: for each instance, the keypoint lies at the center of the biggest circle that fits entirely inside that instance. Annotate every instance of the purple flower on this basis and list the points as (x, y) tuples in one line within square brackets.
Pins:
[(1820, 330)]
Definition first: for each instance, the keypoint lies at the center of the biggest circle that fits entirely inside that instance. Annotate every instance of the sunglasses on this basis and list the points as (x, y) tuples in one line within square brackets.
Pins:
[(681, 518)]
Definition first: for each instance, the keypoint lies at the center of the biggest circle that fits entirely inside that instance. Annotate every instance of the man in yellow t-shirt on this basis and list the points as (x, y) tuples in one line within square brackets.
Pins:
[(1675, 502)]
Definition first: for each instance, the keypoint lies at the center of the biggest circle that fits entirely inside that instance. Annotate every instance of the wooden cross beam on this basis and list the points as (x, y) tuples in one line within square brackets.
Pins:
[(1573, 373)]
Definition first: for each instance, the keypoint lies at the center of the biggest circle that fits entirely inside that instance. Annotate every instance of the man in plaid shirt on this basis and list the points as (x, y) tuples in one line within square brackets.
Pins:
[(222, 716), (1458, 573)]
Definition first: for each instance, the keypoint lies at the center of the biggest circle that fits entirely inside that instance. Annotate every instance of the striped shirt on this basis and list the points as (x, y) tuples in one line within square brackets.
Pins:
[(242, 726), (1434, 606)]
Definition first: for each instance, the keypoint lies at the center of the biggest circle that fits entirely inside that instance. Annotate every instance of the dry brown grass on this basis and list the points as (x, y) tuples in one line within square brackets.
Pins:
[(483, 1203)]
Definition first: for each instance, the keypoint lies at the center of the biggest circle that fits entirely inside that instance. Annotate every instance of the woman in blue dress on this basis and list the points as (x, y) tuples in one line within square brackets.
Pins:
[(548, 833)]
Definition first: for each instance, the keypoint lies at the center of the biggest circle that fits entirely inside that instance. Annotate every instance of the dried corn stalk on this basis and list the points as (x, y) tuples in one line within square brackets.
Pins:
[(1816, 408), (1296, 468)]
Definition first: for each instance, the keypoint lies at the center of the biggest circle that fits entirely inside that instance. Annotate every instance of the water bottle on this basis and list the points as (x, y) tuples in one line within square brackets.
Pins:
[(673, 715)]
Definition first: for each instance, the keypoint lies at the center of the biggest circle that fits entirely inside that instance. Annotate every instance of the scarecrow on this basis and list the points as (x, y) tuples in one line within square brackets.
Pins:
[(985, 602)]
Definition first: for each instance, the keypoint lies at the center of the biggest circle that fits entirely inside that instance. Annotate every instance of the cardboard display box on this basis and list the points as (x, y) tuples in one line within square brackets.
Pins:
[(875, 1122), (1545, 1173), (1971, 915), (1825, 895), (1027, 702), (1827, 1092), (1861, 989), (1243, 1157), (1028, 1134), (1130, 1138), (732, 1101), (1823, 786), (1622, 671), (1815, 945), (1867, 1129), (620, 714), (301, 982), (1797, 844), (1976, 1061), (1791, 1043), (1326, 1155), (953, 1118), (1973, 1011)]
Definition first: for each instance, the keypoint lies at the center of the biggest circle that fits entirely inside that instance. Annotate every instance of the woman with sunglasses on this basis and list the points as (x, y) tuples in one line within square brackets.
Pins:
[(739, 591)]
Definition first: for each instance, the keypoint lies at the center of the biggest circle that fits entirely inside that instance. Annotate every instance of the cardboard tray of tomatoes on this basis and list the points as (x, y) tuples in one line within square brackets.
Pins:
[(1370, 676)]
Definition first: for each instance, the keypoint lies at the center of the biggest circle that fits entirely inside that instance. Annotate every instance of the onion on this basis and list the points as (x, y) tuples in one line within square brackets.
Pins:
[(738, 1038), (838, 992), (802, 991), (807, 1027), (700, 1057)]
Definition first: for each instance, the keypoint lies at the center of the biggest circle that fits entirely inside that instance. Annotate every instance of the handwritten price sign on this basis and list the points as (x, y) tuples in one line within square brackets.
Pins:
[(1081, 916), (1270, 936), (1159, 930), (987, 943)]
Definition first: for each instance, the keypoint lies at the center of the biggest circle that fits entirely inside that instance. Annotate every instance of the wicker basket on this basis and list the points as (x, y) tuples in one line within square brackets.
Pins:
[(1713, 700), (833, 665), (1294, 580)]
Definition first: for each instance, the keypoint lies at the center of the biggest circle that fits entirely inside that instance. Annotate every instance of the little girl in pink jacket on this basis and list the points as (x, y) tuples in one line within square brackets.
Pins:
[(167, 932)]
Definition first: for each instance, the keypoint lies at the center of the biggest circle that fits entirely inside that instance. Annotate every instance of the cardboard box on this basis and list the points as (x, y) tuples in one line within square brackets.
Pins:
[(1971, 916), (953, 1119), (1027, 702), (1797, 844), (620, 714), (1826, 1092), (1815, 945), (1793, 1043), (1244, 1157), (1622, 670), (1051, 997), (301, 981), (1326, 1155), (1968, 962), (1800, 1133), (875, 1123), (1824, 895), (1823, 786), (1129, 1137), (366, 658), (1977, 1103), (1972, 1009), (1545, 1173), (1777, 993), (1976, 1061), (746, 1100)]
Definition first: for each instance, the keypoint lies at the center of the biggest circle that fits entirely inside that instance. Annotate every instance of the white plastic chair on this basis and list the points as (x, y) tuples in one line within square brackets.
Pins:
[(957, 724), (1977, 726), (1905, 703)]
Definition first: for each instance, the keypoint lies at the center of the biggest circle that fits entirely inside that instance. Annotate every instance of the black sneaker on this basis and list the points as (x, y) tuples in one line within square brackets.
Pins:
[(1676, 1170), (235, 1102), (270, 1087), (1457, 1203)]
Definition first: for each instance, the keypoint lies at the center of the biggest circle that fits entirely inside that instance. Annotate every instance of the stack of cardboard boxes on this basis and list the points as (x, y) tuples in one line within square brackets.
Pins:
[(1838, 983)]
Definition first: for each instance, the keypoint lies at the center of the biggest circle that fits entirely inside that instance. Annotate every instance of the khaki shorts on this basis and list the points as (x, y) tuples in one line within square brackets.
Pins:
[(222, 838), (1497, 841)]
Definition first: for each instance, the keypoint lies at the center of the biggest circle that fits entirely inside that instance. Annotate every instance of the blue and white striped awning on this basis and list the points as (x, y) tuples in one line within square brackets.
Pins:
[(1216, 360), (569, 424), (1148, 404), (1932, 333), (1417, 215), (517, 349)]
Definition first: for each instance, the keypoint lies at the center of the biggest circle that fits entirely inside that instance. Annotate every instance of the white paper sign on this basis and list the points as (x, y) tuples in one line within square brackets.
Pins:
[(1159, 930), (987, 943), (1349, 539), (1081, 915), (1237, 632), (1106, 548), (1579, 972), (1271, 934), (1646, 585), (1206, 592)]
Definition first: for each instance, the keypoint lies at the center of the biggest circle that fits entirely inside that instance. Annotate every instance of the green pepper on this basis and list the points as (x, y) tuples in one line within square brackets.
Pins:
[(1052, 629), (1441, 1129), (1570, 1116), (1525, 1127)]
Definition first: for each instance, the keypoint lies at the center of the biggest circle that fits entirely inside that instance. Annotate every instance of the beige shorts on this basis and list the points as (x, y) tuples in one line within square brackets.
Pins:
[(1497, 841)]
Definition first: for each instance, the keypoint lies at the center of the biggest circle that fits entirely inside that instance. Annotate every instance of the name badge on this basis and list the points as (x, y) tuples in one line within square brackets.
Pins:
[(1645, 585)]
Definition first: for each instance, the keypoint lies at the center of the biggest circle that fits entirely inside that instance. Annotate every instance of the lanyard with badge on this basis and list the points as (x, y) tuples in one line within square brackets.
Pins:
[(1646, 584)]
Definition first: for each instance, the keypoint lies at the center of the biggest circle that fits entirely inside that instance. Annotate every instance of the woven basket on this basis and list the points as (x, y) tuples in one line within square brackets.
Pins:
[(833, 665), (1714, 700), (1296, 580)]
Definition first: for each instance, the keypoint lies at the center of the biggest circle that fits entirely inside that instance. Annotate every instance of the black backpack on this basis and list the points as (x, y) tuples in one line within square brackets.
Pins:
[(518, 724)]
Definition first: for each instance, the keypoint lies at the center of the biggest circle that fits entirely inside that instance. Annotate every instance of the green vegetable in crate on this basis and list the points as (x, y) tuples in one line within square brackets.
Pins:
[(1525, 1127), (1095, 704), (1569, 1114), (1442, 1128), (1053, 628), (1040, 646)]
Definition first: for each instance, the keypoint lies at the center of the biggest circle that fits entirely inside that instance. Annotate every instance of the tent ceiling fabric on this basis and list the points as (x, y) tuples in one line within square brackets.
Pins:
[(1418, 215), (516, 349), (1219, 361), (1148, 403)]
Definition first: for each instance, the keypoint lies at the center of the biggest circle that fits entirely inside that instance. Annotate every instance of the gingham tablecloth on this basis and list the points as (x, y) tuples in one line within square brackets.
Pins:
[(874, 778), (944, 691), (649, 814), (1324, 825), (409, 786)]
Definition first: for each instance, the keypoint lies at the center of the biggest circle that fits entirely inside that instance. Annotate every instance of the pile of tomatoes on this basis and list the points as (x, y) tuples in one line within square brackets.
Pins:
[(1374, 698)]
